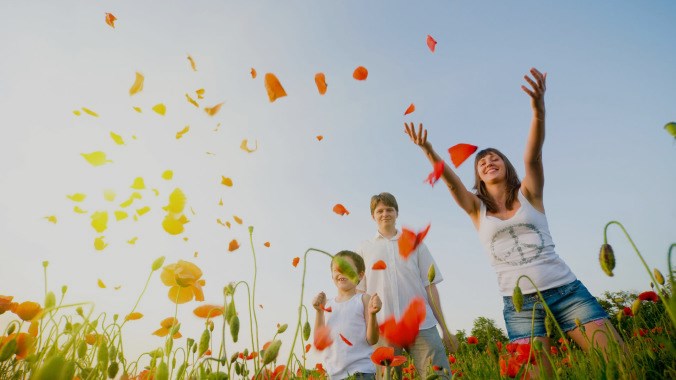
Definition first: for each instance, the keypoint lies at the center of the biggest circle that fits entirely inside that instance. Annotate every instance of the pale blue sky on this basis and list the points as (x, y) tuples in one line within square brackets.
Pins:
[(611, 78)]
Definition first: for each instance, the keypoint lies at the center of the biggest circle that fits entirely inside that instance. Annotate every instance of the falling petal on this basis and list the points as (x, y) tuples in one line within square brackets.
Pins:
[(360, 73), (160, 109), (345, 340), (460, 152), (135, 218), (137, 109), (340, 210), (138, 84), (219, 221), (99, 244), (227, 224), (177, 201), (244, 146), (51, 218), (320, 138), (90, 112), (120, 215), (379, 265), (192, 211), (77, 197), (320, 81), (431, 43), (295, 261), (195, 254), (101, 284), (77, 112), (132, 241), (156, 192), (438, 170), (220, 202), (97, 158), (192, 63), (143, 210), (100, 221), (237, 219), (322, 338), (274, 88), (78, 210), (110, 20), (410, 109), (133, 316), (182, 132), (168, 174), (138, 184), (253, 73), (109, 195), (174, 225), (127, 203), (192, 101), (267, 244), (409, 241), (117, 138), (226, 181), (211, 111), (200, 93), (233, 245)]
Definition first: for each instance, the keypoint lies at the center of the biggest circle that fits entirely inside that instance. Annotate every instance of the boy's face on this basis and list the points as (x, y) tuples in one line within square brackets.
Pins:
[(385, 216), (340, 280)]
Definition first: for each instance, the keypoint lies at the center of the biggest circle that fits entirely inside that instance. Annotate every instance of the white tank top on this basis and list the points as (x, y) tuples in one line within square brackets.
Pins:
[(347, 318), (522, 245)]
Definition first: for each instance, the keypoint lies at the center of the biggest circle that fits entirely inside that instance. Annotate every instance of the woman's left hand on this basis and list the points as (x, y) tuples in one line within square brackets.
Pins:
[(537, 91)]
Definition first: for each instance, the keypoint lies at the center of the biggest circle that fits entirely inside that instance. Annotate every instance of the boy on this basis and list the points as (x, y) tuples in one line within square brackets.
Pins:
[(403, 280), (353, 338)]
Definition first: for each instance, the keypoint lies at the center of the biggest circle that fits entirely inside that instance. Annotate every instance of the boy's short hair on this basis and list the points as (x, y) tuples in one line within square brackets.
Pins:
[(358, 260), (385, 198)]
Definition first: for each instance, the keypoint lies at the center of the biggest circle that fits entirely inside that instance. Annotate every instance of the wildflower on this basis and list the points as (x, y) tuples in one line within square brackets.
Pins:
[(498, 344), (28, 310), (5, 303), (385, 356), (607, 259), (627, 311), (553, 350), (648, 296), (511, 347), (636, 306), (472, 340), (509, 367), (404, 332), (247, 357), (208, 311), (25, 344), (322, 338), (167, 324), (525, 354), (451, 359), (184, 281)]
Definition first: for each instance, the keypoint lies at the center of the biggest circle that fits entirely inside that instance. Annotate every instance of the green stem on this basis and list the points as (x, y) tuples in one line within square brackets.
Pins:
[(248, 291), (138, 300), (671, 272), (252, 304), (650, 273)]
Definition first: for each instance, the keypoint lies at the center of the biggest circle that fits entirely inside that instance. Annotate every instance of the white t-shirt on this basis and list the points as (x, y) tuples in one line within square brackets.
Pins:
[(402, 280)]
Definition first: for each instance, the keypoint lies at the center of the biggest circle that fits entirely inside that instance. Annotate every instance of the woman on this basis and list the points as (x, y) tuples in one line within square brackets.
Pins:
[(509, 217)]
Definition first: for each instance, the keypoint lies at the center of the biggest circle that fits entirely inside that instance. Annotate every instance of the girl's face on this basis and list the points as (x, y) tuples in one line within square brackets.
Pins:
[(340, 280), (491, 168)]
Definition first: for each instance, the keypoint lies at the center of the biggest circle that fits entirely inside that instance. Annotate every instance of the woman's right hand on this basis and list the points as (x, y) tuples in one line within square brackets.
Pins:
[(319, 301), (419, 138)]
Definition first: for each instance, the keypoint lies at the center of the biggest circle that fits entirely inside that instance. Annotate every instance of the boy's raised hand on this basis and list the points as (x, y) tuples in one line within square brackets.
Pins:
[(375, 304), (319, 301)]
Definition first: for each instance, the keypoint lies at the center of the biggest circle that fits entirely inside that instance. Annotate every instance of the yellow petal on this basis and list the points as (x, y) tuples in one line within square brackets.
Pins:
[(211, 111), (78, 210), (51, 218), (192, 63), (77, 112), (138, 184), (97, 158), (101, 284), (109, 195), (90, 112), (136, 195), (135, 218), (220, 202), (237, 219), (77, 197), (168, 174), (177, 201), (127, 203), (157, 192), (174, 225), (143, 210), (180, 295), (138, 84), (117, 138), (100, 221), (133, 137), (185, 238), (132, 241), (160, 109), (137, 109), (200, 93), (227, 224), (119, 215), (244, 146), (192, 101), (133, 316), (226, 181), (211, 153), (182, 132), (100, 244)]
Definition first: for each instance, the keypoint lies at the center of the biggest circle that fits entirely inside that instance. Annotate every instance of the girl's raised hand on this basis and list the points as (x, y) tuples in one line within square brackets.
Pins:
[(538, 86), (419, 138), (319, 301)]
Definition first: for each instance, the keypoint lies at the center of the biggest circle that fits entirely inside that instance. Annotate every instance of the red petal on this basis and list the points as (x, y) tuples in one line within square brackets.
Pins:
[(360, 73), (410, 109), (320, 81), (379, 265), (398, 360), (327, 309), (340, 210), (431, 43), (323, 338), (409, 241), (345, 340), (295, 261), (460, 152), (383, 355), (438, 170)]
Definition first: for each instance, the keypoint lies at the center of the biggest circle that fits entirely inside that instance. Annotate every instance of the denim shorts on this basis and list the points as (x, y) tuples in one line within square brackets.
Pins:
[(566, 302)]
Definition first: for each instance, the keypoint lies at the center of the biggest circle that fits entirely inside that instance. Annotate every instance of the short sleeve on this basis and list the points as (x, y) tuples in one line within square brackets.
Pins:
[(425, 260)]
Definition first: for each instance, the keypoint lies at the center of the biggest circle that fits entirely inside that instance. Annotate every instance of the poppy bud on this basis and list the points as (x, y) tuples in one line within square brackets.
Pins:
[(658, 276), (238, 369), (250, 229), (271, 352), (306, 331), (162, 372), (431, 274), (50, 300), (517, 299), (82, 350), (577, 322), (45, 264), (234, 357), (157, 264), (64, 289), (282, 328), (607, 259), (537, 344), (228, 290), (79, 312), (210, 325), (549, 325), (234, 328), (168, 344), (230, 311), (102, 355), (112, 370), (636, 306), (115, 317), (204, 342)]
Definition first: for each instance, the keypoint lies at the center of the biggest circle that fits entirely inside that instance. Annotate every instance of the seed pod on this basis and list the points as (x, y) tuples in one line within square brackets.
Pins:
[(157, 264), (112, 352), (234, 328), (112, 370), (658, 276), (282, 328), (79, 312), (607, 259), (234, 357), (636, 306), (210, 325), (162, 372), (102, 355), (190, 342), (306, 331), (194, 348), (11, 329), (250, 229), (8, 350), (431, 274), (204, 342), (549, 325), (230, 311), (517, 299), (50, 300), (82, 350), (271, 352), (238, 368)]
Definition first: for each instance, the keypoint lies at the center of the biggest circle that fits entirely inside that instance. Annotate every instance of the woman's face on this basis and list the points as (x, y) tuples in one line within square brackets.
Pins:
[(491, 168)]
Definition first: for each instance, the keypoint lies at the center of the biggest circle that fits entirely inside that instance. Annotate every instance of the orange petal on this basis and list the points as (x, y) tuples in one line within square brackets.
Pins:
[(295, 261), (110, 19), (274, 88), (200, 93), (253, 73), (211, 111), (28, 310), (320, 80), (138, 84), (320, 138), (267, 244), (379, 265), (192, 63), (460, 152), (409, 241), (307, 348), (180, 295), (438, 170), (133, 316), (340, 210), (233, 245), (360, 73), (208, 311), (237, 219), (322, 338), (192, 101), (226, 181), (431, 43), (410, 109), (345, 340)]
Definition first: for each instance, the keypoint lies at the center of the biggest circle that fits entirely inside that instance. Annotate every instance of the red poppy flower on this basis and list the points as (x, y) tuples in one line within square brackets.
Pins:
[(451, 359), (433, 177), (511, 347), (345, 340), (409, 240), (248, 357), (627, 311), (522, 354), (323, 338), (404, 332), (379, 265), (509, 367), (648, 296), (554, 350), (385, 356), (460, 152), (472, 340)]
